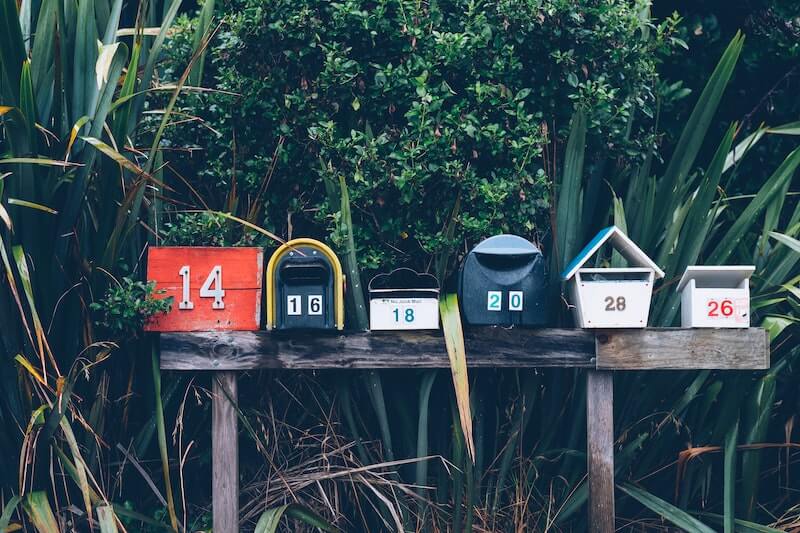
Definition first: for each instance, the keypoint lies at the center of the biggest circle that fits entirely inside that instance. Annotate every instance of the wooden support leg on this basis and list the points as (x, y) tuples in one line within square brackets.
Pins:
[(225, 453), (600, 449)]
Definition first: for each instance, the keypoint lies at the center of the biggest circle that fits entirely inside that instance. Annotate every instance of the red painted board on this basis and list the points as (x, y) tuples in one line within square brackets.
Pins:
[(241, 274)]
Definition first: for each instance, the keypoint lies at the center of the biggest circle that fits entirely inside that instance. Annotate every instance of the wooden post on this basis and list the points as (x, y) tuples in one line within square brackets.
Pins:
[(600, 449), (225, 453)]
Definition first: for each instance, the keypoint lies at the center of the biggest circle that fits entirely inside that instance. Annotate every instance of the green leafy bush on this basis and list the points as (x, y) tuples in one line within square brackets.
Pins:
[(416, 105), (127, 305)]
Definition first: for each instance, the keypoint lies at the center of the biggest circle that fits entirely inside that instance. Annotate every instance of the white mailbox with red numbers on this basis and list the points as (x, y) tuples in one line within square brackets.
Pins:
[(716, 296), (606, 297)]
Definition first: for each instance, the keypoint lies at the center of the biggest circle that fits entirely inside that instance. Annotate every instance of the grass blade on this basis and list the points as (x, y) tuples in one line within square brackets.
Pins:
[(454, 339), (38, 509), (568, 225), (107, 519), (694, 132), (669, 512), (729, 488)]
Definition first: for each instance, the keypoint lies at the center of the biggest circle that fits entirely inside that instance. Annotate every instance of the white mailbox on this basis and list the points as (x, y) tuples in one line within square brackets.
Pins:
[(403, 299), (715, 296), (611, 297)]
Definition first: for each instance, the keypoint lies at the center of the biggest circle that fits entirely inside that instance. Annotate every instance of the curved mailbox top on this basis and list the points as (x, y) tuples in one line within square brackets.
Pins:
[(404, 279), (403, 299), (302, 264), (506, 245)]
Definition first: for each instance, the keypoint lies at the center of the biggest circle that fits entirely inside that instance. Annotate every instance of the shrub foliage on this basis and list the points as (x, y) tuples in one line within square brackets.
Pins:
[(416, 105)]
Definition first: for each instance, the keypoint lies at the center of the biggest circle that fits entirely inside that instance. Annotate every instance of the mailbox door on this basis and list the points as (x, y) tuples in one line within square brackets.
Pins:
[(212, 288), (717, 308), (304, 293), (503, 290)]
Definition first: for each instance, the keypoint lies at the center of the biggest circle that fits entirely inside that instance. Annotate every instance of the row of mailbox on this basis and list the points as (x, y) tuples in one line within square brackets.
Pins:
[(501, 282)]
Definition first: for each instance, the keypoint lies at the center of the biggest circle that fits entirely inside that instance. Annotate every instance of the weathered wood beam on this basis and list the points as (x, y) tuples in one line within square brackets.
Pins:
[(681, 349), (486, 347), (640, 349)]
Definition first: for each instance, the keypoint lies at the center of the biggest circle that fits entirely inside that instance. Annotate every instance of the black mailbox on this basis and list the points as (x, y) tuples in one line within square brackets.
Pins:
[(503, 282), (305, 287)]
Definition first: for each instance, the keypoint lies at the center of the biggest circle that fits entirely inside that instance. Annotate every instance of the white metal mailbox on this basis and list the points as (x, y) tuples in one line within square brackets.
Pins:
[(403, 299), (716, 296), (611, 297)]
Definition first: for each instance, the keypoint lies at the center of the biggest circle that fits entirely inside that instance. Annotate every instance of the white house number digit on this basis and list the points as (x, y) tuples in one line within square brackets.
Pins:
[(214, 278), (185, 302)]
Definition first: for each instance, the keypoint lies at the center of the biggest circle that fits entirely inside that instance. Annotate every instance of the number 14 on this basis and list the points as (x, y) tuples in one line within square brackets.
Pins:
[(214, 278)]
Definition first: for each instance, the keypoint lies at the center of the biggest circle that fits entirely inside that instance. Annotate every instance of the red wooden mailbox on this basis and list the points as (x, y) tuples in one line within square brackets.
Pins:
[(212, 288)]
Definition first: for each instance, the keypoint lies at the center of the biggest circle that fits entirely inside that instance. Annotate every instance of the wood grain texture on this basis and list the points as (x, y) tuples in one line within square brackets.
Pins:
[(225, 453), (675, 348), (242, 272), (600, 449), (486, 347), (640, 349)]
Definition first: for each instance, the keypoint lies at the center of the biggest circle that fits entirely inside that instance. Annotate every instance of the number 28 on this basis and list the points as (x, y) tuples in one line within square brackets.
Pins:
[(615, 304)]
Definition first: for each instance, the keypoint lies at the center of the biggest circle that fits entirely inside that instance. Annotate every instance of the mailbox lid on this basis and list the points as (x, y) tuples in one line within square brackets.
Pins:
[(723, 277), (404, 283), (622, 243), (241, 280)]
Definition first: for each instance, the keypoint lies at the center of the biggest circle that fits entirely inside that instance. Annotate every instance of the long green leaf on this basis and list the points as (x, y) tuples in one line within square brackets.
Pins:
[(568, 224), (271, 518), (8, 512), (729, 487), (747, 218), (12, 52), (666, 510), (454, 340), (38, 509), (693, 134), (107, 519)]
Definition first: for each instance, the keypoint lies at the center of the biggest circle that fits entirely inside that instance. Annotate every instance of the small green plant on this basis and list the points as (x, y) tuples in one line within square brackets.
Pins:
[(205, 228), (127, 305)]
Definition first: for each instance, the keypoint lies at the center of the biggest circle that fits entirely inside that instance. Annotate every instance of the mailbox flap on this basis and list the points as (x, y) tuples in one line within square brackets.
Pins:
[(505, 246), (304, 269), (718, 277), (404, 280)]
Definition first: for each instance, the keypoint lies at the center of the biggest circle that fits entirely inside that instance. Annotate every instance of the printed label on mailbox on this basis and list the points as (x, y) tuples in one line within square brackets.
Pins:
[(404, 313), (728, 310)]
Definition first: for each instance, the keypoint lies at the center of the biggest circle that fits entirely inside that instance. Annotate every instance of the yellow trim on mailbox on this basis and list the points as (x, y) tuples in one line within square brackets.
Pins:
[(338, 282)]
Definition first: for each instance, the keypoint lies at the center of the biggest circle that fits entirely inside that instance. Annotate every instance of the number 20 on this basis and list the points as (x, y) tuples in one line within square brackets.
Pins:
[(214, 278)]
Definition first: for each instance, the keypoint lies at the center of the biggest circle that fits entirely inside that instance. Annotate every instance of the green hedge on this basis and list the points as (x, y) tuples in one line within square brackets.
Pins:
[(415, 104)]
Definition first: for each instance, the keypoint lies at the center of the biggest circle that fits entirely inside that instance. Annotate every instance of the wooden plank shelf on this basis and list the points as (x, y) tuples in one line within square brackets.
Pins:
[(599, 351), (490, 347)]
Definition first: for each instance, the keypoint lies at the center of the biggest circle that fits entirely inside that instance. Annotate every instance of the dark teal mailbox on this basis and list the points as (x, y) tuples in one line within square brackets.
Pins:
[(503, 283)]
